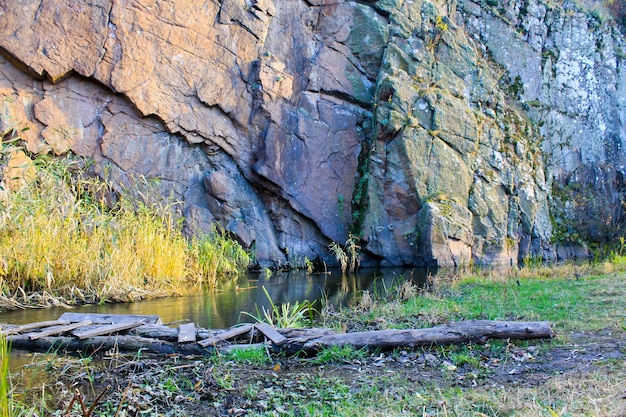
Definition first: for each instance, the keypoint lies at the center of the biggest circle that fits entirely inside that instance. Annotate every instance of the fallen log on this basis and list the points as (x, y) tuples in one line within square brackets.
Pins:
[(162, 339), (470, 331), (102, 344)]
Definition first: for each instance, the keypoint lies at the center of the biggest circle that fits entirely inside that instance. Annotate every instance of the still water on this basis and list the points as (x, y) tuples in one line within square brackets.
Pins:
[(222, 308)]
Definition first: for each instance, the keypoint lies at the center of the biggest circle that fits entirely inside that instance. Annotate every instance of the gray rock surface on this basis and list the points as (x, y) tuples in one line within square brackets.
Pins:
[(438, 132)]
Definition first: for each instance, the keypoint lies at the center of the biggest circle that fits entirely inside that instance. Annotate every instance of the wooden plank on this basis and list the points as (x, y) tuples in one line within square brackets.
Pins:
[(187, 333), (270, 333), (31, 326), (236, 331), (58, 330), (107, 329), (110, 318)]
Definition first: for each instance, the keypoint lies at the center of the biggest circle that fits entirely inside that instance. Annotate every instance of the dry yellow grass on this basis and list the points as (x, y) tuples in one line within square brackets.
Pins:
[(58, 235)]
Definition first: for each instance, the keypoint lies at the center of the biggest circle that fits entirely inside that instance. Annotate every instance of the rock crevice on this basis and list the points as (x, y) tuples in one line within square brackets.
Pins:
[(438, 132)]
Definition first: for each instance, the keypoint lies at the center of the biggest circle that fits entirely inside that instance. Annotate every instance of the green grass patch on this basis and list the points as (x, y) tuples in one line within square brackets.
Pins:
[(339, 354), (249, 356), (569, 304)]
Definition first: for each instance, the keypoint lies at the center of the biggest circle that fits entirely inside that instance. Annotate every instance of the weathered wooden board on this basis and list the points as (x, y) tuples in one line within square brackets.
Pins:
[(165, 339), (51, 331), (187, 333), (106, 329), (236, 331), (271, 333), (110, 318), (32, 326), (122, 343)]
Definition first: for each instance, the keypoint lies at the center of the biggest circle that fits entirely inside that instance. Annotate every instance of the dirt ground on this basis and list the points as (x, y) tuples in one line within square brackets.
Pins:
[(199, 386)]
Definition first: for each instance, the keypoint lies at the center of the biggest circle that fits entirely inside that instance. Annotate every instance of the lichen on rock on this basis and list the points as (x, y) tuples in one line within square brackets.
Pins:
[(441, 132)]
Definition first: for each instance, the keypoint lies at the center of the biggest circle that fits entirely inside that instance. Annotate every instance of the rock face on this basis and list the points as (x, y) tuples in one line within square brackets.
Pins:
[(438, 132)]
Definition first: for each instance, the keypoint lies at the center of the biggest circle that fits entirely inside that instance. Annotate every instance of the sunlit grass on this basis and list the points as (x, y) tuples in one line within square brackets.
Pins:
[(61, 236), (249, 356), (5, 389)]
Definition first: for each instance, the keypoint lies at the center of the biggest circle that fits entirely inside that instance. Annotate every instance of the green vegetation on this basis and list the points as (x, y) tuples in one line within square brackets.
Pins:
[(67, 235), (250, 356), (584, 303), (536, 292), (5, 389), (347, 255), (286, 315), (339, 354)]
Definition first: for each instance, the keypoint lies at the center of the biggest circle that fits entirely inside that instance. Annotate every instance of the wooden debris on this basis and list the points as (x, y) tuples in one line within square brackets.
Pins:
[(31, 326), (121, 343), (107, 329), (58, 330), (476, 331), (110, 318), (187, 333), (163, 339), (236, 331), (271, 333)]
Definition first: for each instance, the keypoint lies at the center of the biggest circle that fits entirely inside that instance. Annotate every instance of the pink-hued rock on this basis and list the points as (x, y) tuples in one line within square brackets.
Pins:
[(295, 122)]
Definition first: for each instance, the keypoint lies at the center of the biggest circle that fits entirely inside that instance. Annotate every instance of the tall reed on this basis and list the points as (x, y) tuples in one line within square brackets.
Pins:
[(60, 235), (5, 389)]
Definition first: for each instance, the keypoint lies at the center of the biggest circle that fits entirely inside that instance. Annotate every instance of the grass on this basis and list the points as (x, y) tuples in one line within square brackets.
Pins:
[(249, 356), (339, 354), (9, 407), (569, 303), (5, 388), (64, 235), (286, 315), (470, 380)]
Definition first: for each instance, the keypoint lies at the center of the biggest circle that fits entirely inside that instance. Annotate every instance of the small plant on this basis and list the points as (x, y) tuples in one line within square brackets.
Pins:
[(335, 354), (440, 24), (348, 255), (532, 262), (251, 356), (286, 315), (5, 389)]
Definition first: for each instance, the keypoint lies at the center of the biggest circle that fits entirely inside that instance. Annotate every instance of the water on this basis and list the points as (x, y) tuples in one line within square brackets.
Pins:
[(221, 309)]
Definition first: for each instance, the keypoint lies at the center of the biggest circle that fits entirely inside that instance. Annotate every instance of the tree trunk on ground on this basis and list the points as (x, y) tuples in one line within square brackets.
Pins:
[(475, 331), (161, 339)]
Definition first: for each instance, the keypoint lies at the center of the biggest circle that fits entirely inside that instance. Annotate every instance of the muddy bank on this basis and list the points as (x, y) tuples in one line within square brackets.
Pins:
[(199, 386)]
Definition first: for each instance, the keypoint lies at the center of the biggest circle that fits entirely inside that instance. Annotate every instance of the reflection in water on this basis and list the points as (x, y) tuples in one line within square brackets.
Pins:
[(221, 309)]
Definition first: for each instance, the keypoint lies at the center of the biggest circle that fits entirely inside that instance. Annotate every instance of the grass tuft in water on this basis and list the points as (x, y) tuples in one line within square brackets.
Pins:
[(286, 315)]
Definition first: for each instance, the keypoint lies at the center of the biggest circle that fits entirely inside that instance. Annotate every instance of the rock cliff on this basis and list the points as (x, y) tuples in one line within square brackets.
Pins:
[(437, 132)]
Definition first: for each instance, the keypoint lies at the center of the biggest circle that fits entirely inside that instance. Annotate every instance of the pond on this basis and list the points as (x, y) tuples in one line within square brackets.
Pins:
[(222, 308)]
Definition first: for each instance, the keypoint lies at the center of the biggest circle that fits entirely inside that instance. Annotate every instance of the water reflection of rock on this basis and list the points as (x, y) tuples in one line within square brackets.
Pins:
[(222, 309)]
